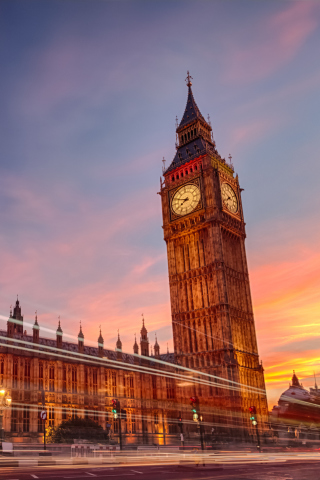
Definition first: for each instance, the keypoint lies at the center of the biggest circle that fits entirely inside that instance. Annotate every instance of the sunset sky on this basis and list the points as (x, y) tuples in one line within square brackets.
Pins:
[(89, 94)]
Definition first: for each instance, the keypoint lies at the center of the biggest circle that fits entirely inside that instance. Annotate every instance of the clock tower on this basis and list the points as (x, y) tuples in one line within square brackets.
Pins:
[(204, 230)]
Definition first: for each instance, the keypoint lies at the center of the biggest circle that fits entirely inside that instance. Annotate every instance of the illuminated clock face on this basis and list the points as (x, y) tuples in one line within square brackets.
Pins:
[(185, 199), (229, 198)]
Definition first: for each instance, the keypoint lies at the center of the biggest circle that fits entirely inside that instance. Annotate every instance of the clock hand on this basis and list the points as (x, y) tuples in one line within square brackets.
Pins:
[(184, 200)]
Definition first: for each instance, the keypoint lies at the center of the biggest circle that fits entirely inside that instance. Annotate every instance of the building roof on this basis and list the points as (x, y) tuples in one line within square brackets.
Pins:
[(73, 348), (191, 111)]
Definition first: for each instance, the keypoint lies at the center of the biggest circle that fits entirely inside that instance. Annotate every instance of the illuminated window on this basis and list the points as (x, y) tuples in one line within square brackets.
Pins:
[(15, 373), (51, 416), (114, 383), (40, 386), (64, 379), (51, 378), (154, 387), (170, 387), (95, 382), (86, 381), (74, 379), (131, 386)]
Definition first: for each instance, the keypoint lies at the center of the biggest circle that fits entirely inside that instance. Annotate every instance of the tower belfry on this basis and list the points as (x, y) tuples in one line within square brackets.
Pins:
[(204, 230)]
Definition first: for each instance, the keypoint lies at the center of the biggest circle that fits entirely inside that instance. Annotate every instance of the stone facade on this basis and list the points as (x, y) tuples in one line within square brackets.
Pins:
[(212, 315)]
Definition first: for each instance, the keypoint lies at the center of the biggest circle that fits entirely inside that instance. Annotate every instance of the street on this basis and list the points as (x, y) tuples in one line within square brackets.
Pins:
[(286, 466)]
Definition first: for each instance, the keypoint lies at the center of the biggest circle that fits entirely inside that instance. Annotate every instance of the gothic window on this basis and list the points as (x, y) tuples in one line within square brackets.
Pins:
[(27, 374), (106, 382), (26, 418), (172, 178), (131, 386), (15, 373), (40, 386), (51, 416), (1, 370), (170, 388), (154, 387), (124, 386), (64, 413), (74, 379), (51, 378), (64, 379), (86, 381), (133, 422), (14, 419), (156, 422), (114, 383), (95, 382)]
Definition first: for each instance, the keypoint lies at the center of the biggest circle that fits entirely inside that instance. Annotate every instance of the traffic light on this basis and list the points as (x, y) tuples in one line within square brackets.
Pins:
[(115, 408), (194, 402), (180, 423), (253, 415)]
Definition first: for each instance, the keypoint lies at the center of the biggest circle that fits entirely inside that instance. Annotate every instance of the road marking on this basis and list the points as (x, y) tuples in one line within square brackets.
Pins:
[(34, 476), (92, 474), (136, 471)]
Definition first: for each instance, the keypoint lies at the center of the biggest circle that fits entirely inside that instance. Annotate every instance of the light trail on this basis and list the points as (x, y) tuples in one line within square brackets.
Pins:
[(41, 349)]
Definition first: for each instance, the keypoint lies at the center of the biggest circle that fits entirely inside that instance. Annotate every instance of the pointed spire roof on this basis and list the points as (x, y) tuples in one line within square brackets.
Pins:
[(59, 329), (135, 345), (100, 339), (295, 381), (192, 111), (80, 336), (36, 325), (156, 342), (119, 343)]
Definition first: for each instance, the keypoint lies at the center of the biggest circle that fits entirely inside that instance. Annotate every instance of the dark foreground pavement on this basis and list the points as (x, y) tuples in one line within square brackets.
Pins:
[(288, 470)]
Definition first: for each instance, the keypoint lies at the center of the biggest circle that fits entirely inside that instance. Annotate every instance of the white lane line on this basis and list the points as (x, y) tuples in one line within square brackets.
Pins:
[(92, 474), (34, 476), (136, 471)]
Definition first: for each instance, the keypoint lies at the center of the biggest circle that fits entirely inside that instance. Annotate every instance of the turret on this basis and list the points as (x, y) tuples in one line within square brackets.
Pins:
[(144, 341), (156, 349), (59, 335), (15, 321), (35, 330), (80, 340), (119, 347), (135, 346), (100, 344)]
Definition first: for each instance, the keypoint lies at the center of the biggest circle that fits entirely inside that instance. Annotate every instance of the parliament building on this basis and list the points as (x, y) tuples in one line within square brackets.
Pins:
[(215, 349)]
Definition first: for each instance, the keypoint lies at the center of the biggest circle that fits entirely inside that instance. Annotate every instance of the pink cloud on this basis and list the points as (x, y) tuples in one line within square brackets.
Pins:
[(278, 39)]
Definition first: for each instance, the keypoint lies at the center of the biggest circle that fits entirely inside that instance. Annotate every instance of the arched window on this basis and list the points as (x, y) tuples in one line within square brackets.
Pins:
[(27, 374), (51, 378), (172, 178), (74, 380), (40, 376)]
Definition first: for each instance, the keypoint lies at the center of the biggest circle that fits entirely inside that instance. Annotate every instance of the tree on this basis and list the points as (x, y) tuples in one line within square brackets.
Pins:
[(77, 429)]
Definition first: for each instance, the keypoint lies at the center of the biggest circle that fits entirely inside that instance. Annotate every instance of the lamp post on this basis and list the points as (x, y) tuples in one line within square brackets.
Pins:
[(5, 402)]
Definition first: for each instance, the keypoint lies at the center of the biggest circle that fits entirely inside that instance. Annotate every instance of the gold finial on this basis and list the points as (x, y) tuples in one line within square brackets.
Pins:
[(230, 157), (188, 79)]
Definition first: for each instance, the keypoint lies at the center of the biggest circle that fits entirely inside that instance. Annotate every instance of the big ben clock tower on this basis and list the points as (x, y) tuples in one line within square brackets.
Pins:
[(204, 229)]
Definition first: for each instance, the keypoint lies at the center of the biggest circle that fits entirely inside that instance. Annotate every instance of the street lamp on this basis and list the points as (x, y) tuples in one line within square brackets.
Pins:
[(5, 402)]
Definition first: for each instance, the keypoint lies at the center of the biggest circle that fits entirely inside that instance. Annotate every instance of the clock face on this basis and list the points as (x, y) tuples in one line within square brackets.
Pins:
[(185, 199), (229, 198)]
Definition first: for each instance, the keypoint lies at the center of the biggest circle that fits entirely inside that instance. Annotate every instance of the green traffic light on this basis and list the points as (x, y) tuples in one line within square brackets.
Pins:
[(194, 410)]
